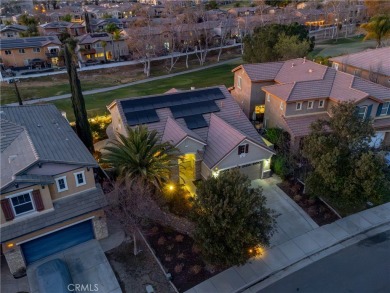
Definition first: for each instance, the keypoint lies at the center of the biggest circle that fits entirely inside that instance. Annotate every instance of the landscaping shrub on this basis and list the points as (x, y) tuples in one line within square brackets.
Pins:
[(99, 126), (281, 165), (178, 201), (279, 138)]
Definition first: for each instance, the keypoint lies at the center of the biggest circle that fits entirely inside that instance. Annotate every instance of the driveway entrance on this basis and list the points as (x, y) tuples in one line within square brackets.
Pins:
[(88, 266)]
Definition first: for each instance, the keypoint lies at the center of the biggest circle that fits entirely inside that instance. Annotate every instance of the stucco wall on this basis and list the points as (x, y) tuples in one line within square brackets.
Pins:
[(242, 95), (273, 113), (291, 108), (71, 182), (189, 146), (117, 123), (255, 154)]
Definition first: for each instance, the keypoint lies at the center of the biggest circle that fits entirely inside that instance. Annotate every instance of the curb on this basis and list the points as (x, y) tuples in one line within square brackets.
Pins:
[(306, 260)]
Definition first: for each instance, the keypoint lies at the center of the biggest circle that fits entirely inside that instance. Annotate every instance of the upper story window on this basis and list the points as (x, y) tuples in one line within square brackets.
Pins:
[(36, 50), (362, 112), (8, 52), (239, 81), (298, 106), (10, 35), (87, 47), (21, 51), (98, 45), (268, 97), (321, 104), (79, 178), (243, 149), (281, 105), (385, 108), (62, 185), (310, 104), (22, 203)]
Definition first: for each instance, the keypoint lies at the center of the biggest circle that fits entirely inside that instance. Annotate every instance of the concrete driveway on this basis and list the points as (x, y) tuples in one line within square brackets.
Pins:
[(87, 264), (292, 221)]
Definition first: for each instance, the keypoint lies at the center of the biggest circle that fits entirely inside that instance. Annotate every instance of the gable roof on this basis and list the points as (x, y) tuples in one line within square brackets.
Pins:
[(13, 27), (376, 60), (261, 71), (94, 37), (175, 133), (299, 126)]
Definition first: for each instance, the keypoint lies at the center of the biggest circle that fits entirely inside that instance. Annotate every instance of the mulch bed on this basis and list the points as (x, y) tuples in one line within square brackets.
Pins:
[(314, 207), (180, 256)]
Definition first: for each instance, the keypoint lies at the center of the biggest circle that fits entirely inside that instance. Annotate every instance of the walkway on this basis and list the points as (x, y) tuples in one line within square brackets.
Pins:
[(300, 251)]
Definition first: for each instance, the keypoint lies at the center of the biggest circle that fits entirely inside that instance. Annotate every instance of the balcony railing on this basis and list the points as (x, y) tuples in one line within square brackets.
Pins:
[(52, 54)]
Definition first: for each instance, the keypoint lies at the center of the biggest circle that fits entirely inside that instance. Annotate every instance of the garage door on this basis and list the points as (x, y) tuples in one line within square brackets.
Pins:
[(252, 170), (57, 241)]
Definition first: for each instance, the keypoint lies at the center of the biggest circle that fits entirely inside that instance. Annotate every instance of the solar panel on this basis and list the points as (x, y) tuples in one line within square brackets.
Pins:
[(194, 109), (142, 117), (195, 121)]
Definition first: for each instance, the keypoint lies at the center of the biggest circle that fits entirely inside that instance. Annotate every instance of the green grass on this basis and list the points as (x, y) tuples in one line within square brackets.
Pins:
[(96, 104)]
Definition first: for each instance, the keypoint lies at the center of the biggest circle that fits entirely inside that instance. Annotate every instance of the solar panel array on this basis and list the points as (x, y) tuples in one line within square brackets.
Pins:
[(187, 105), (26, 42)]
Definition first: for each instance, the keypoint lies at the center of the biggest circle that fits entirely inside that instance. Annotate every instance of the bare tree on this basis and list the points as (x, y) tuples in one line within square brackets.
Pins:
[(201, 31), (225, 32), (132, 201)]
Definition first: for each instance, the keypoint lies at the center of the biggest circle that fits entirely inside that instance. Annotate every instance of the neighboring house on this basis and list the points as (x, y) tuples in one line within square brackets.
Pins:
[(49, 198), (373, 65), (206, 125), (59, 27), (12, 31), (292, 94), (243, 11), (20, 52), (93, 46), (98, 25)]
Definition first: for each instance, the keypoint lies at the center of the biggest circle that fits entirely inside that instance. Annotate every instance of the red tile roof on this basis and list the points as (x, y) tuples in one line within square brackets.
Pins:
[(299, 126)]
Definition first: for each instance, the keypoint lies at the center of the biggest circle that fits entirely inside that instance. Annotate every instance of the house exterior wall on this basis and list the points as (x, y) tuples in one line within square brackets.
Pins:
[(255, 154), (205, 171), (257, 95), (10, 34), (291, 108), (45, 195), (363, 73), (189, 146), (71, 183), (369, 102), (242, 94), (273, 113), (117, 123), (21, 59)]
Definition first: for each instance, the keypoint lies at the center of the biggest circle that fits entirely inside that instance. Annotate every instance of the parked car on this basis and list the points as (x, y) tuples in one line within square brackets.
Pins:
[(54, 276)]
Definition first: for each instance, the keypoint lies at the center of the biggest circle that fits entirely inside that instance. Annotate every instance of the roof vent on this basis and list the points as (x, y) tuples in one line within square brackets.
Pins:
[(310, 70), (192, 88), (11, 158), (292, 65), (39, 125)]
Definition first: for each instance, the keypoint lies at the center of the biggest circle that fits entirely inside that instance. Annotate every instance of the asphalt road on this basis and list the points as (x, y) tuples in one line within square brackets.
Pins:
[(360, 268)]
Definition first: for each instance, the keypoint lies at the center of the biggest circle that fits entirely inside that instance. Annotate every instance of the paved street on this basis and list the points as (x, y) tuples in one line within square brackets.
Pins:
[(363, 267)]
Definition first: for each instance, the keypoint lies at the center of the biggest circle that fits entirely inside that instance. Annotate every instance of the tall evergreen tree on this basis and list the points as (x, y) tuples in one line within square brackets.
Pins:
[(83, 129)]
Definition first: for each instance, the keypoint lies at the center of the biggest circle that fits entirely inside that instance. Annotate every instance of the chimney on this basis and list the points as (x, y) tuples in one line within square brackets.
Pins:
[(192, 88), (221, 104), (304, 59), (310, 70), (292, 65)]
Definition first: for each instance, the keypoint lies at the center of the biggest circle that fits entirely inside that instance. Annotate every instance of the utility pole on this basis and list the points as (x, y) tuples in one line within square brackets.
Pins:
[(17, 93)]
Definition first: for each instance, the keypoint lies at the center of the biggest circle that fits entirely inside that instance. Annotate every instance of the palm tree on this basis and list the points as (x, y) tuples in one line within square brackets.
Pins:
[(378, 28), (104, 45), (139, 154)]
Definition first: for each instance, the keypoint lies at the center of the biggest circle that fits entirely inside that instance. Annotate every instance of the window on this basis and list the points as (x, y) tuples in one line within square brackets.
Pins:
[(260, 109), (298, 106), (310, 104), (22, 203), (385, 108), (8, 52), (10, 35), (36, 50), (239, 80), (268, 97), (362, 112), (87, 47), (243, 149), (61, 184), (281, 105), (335, 66), (321, 104), (98, 45), (79, 178), (21, 51)]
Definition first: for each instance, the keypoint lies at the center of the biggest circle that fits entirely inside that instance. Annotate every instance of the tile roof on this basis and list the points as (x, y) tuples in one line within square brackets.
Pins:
[(9, 132), (13, 27), (64, 209), (94, 37), (376, 60), (229, 112), (221, 140), (51, 135), (261, 71), (299, 126), (300, 70), (33, 42)]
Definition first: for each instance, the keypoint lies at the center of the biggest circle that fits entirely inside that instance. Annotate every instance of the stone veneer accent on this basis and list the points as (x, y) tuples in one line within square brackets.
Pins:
[(15, 261), (175, 173), (100, 227)]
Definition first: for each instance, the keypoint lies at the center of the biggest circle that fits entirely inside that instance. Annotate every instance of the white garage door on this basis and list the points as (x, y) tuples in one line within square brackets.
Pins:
[(251, 170)]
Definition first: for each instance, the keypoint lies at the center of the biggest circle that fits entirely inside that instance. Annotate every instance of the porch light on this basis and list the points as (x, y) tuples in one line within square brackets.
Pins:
[(10, 245), (171, 187)]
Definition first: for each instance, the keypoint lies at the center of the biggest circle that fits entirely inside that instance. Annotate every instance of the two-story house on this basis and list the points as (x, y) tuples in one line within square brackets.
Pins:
[(20, 52), (12, 31), (206, 125), (93, 47), (49, 198), (59, 27), (373, 65), (292, 94)]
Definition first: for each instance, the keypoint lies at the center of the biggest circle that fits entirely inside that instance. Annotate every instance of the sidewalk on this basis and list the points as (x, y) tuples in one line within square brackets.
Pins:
[(112, 88), (282, 259)]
